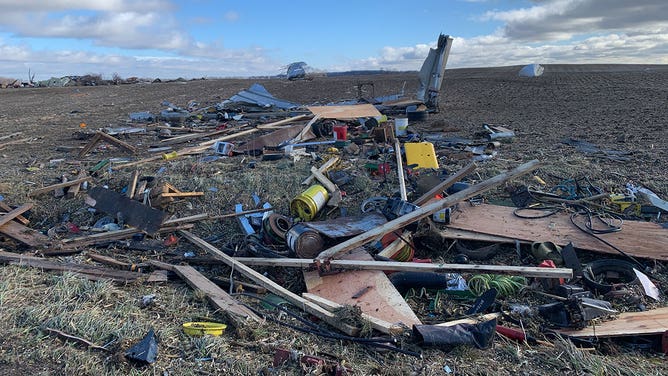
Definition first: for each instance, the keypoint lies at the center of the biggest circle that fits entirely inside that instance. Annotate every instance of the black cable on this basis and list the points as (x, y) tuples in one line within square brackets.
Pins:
[(551, 210), (588, 230), (319, 331)]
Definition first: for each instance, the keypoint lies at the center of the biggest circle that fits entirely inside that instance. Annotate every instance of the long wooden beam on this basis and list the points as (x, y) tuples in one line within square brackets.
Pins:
[(427, 210), (526, 271), (50, 188), (272, 286), (217, 296), (277, 124)]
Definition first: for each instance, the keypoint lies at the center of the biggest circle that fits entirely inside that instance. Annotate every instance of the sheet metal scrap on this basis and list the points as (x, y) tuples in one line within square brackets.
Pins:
[(432, 71), (259, 96)]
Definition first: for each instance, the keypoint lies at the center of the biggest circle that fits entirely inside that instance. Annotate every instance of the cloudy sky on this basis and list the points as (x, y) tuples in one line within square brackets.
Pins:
[(221, 38)]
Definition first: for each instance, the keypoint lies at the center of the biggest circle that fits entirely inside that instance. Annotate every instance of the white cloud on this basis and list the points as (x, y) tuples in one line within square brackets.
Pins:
[(563, 19), (231, 16), (99, 5)]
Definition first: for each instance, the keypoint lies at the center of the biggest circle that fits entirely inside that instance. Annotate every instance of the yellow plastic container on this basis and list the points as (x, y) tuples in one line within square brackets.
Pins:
[(422, 154), (203, 328), (308, 203), (169, 156)]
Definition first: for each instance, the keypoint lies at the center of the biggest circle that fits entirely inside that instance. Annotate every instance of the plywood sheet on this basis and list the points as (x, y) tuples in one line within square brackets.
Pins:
[(345, 112), (627, 324), (640, 239), (377, 296)]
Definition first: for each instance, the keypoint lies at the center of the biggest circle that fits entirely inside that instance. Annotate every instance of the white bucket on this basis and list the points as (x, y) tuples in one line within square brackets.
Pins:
[(400, 126)]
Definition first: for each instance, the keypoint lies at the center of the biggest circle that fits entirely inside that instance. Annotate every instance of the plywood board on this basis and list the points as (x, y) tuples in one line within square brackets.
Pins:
[(627, 324), (375, 294), (640, 239), (345, 112)]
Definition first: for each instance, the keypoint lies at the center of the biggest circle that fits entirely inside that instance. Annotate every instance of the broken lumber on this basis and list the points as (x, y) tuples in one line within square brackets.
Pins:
[(376, 323), (637, 238), (190, 137), (71, 245), (325, 166), (18, 218), (133, 184), (277, 124), (73, 190), (12, 214), (627, 324), (272, 286), (50, 188), (216, 296), (400, 170), (427, 210), (88, 271), (526, 271), (70, 337), (99, 136), (24, 234)]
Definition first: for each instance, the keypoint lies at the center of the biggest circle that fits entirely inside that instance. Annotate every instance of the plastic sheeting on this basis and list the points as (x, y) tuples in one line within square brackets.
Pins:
[(531, 70)]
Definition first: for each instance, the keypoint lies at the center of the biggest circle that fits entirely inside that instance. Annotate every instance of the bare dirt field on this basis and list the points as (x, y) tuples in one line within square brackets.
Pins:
[(621, 108)]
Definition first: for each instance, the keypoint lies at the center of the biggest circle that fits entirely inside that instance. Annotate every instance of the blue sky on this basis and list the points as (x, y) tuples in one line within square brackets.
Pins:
[(207, 38)]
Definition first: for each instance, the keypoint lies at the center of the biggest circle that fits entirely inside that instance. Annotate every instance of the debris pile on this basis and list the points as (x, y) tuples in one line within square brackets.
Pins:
[(374, 267)]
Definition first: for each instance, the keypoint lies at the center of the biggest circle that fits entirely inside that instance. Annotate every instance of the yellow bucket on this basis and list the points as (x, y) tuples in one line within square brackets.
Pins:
[(307, 204), (202, 328)]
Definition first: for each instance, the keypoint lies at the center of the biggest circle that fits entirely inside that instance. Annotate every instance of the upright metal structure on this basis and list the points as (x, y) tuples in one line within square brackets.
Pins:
[(432, 71)]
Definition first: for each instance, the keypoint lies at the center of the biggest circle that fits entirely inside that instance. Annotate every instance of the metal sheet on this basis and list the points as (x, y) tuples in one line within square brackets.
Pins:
[(432, 71), (258, 95)]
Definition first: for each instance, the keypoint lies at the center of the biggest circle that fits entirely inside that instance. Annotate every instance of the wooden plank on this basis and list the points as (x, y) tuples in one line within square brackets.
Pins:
[(325, 166), (376, 323), (116, 142), (626, 324), (50, 188), (24, 234), (640, 239), (182, 194), (345, 112), (305, 130), (21, 141), (191, 137), (278, 124), (96, 272), (370, 290), (73, 190), (400, 170), (82, 241), (23, 220), (472, 320), (427, 210), (135, 214), (133, 184), (453, 233), (439, 188), (331, 187), (89, 146), (216, 296), (14, 213), (361, 264), (272, 286)]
